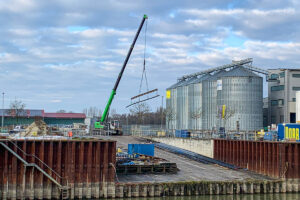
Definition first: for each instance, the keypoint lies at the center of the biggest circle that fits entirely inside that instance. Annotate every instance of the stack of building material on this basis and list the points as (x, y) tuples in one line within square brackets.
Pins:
[(37, 128)]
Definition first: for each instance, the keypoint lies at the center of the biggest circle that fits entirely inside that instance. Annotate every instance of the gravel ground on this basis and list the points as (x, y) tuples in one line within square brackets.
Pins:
[(190, 170)]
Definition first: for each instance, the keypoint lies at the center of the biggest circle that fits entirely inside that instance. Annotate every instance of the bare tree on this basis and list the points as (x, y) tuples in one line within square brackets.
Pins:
[(92, 111), (170, 115), (113, 113), (61, 111), (228, 113), (140, 110), (85, 111), (196, 115), (16, 109)]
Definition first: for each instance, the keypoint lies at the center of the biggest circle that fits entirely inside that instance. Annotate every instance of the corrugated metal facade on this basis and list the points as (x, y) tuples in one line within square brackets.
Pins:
[(198, 103)]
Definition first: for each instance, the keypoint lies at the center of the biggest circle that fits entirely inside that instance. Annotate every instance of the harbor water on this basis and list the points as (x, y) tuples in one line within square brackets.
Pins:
[(283, 196)]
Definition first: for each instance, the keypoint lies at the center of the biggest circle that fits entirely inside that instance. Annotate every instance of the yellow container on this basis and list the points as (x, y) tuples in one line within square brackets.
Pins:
[(161, 133)]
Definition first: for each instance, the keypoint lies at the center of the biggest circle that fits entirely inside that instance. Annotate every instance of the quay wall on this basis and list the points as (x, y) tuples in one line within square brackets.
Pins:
[(204, 147), (274, 159), (127, 190), (85, 169)]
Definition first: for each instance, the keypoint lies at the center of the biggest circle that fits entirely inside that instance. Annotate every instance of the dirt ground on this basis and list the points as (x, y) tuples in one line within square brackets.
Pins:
[(190, 170)]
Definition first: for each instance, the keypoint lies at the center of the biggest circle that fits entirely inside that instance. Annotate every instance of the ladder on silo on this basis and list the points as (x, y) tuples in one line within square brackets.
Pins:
[(64, 189)]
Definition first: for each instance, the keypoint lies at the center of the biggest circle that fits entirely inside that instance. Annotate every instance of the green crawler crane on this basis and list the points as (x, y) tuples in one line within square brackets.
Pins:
[(100, 124)]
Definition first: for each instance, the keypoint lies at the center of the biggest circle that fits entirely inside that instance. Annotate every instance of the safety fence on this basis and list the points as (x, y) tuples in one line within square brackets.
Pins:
[(161, 131)]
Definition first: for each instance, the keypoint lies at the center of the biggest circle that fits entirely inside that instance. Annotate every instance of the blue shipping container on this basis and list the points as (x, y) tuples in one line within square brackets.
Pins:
[(145, 149), (177, 133), (182, 133), (288, 132)]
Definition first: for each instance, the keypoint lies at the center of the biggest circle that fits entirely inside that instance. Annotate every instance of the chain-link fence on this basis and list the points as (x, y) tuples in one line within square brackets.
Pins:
[(144, 130), (158, 131)]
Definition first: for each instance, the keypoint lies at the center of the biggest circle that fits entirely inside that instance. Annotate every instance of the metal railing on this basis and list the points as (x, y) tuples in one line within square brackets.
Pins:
[(156, 131), (34, 164)]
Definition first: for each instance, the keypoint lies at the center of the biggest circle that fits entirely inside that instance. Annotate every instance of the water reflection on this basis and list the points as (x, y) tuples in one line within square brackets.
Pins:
[(230, 197)]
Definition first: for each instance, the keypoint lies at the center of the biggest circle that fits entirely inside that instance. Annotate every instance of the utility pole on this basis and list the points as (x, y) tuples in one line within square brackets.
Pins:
[(162, 111), (2, 124)]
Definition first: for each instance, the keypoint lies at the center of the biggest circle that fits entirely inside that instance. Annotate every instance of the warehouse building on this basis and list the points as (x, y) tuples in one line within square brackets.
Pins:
[(282, 87), (27, 116), (63, 118), (229, 96)]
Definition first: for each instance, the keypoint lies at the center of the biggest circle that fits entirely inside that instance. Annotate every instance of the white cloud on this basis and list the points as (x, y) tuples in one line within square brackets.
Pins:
[(45, 62), (56, 101)]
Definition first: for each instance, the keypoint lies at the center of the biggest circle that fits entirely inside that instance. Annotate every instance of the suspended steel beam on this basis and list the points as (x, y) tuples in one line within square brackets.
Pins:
[(142, 101), (155, 90)]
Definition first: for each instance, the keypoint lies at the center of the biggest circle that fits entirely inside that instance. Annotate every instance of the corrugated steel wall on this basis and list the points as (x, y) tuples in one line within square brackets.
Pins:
[(171, 105), (275, 159), (84, 165), (244, 96)]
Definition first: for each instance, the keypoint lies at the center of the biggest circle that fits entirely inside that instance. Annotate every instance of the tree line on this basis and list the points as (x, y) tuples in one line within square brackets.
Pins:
[(138, 114)]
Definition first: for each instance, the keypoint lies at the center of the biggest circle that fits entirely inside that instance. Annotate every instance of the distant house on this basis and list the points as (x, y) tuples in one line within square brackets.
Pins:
[(28, 116)]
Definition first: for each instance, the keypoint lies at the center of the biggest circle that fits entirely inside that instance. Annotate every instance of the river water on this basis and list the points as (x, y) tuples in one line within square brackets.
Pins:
[(231, 197)]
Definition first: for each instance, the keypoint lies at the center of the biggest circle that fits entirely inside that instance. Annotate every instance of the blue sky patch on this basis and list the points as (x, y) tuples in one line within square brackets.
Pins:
[(233, 40), (77, 28)]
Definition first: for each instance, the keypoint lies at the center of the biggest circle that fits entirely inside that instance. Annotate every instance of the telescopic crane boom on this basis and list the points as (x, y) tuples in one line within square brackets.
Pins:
[(114, 90)]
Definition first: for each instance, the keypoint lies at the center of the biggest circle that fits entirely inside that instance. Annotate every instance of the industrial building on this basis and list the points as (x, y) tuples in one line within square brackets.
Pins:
[(298, 106), (265, 111), (282, 87), (229, 96), (27, 116)]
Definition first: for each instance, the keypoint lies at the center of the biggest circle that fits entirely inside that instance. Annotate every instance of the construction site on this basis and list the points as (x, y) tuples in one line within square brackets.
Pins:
[(215, 142)]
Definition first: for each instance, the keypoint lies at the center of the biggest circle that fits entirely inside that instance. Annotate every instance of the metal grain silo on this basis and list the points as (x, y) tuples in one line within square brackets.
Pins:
[(240, 94), (195, 109), (209, 101), (202, 100), (182, 105), (171, 106), (191, 101)]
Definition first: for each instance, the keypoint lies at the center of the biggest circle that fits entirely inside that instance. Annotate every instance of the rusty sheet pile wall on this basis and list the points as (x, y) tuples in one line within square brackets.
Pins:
[(275, 159), (83, 168)]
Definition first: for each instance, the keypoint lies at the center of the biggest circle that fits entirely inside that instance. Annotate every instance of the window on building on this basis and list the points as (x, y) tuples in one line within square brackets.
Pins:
[(274, 76), (296, 88), (274, 102), (281, 118), (294, 99), (296, 75), (282, 74), (273, 119), (277, 88), (280, 102)]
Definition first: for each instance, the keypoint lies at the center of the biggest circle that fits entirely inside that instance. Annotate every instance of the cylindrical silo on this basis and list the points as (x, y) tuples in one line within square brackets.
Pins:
[(298, 106), (240, 95), (171, 106), (218, 99)]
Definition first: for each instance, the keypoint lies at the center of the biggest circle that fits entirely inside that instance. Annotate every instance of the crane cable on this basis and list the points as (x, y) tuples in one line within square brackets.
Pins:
[(144, 66)]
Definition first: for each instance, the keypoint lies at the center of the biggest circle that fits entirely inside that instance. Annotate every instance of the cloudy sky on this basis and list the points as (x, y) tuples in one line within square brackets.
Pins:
[(67, 54)]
